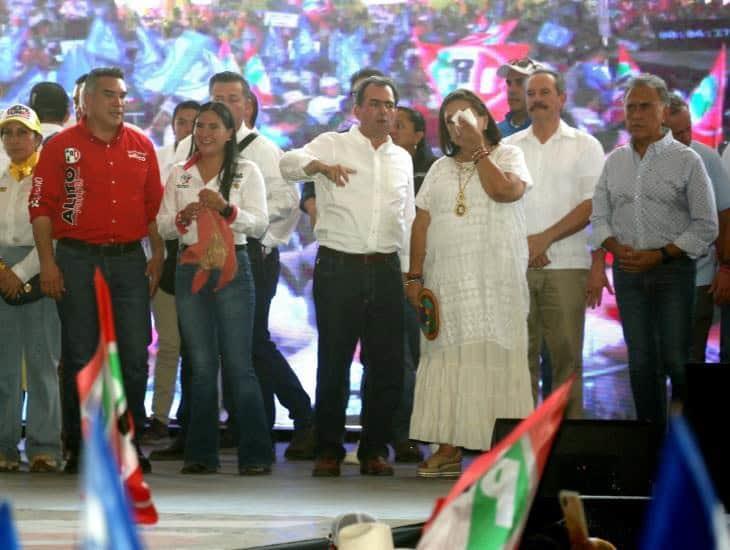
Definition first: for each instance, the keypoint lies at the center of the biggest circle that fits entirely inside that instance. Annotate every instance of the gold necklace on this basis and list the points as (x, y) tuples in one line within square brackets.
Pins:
[(460, 208)]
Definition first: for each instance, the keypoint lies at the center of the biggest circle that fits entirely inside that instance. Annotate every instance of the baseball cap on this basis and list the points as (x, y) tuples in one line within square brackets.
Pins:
[(23, 114), (525, 66), (48, 97)]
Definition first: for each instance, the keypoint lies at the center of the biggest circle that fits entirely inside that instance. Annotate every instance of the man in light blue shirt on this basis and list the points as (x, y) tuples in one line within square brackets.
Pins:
[(654, 210), (712, 284)]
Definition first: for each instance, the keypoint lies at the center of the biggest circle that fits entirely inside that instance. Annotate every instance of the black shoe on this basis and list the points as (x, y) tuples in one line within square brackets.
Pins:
[(175, 451), (72, 464), (196, 468), (301, 446), (144, 462), (407, 451), (254, 470)]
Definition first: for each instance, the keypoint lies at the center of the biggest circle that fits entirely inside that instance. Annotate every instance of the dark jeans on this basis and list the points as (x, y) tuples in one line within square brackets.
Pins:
[(656, 316), (272, 369), (357, 298), (217, 326), (725, 334), (129, 288), (411, 357)]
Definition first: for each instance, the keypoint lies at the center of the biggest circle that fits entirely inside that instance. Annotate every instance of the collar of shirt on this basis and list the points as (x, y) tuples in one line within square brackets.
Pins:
[(656, 148), (242, 132), (85, 131), (563, 131), (525, 124), (356, 134)]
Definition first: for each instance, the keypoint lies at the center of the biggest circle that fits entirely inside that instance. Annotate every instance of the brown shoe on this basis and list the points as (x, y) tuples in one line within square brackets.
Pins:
[(376, 466), (326, 467)]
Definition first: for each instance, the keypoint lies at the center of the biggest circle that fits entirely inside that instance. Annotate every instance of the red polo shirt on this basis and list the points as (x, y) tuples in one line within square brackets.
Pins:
[(94, 191)]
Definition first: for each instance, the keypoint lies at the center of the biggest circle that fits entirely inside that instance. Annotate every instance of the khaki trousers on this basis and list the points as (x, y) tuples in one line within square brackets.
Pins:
[(168, 354), (557, 315)]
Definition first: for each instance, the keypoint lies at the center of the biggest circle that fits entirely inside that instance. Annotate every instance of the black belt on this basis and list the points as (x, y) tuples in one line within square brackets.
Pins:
[(238, 247), (375, 257), (109, 249)]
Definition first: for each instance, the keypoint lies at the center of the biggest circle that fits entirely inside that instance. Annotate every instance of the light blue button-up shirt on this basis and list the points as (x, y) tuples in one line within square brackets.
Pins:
[(665, 197)]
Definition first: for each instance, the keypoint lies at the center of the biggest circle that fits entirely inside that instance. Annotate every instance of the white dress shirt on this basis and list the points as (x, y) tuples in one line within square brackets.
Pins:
[(248, 195), (282, 197), (15, 227), (374, 210), (565, 170), (166, 160)]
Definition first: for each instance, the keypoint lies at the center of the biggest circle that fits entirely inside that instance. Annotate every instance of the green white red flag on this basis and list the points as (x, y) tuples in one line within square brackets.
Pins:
[(100, 384), (488, 506)]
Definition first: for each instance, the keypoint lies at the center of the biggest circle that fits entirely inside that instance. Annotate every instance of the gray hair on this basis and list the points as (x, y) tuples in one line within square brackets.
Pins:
[(676, 103), (95, 75), (650, 81), (558, 78)]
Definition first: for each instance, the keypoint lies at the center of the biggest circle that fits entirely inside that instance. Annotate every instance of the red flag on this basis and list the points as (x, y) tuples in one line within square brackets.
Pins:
[(100, 383)]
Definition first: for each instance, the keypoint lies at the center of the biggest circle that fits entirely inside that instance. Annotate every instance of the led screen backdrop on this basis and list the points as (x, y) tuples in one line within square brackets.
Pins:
[(298, 56)]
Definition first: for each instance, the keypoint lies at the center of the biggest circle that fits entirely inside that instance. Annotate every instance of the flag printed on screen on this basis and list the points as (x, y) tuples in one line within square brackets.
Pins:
[(488, 506), (101, 385), (706, 103), (626, 67), (8, 536), (684, 511), (106, 519)]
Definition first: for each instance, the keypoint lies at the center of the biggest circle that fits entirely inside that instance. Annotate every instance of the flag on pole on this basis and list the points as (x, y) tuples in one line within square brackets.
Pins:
[(101, 385), (684, 511), (706, 103), (8, 536), (488, 506), (106, 520)]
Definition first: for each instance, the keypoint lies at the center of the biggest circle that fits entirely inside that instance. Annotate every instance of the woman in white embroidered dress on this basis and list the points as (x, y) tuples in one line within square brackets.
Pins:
[(469, 246)]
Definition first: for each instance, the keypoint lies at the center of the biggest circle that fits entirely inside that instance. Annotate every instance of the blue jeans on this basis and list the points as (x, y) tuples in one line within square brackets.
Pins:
[(129, 289), (656, 316), (216, 327), (33, 331), (357, 300), (272, 369)]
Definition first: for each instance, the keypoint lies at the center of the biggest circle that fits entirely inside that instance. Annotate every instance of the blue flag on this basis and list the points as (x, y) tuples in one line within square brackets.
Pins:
[(685, 511), (106, 517), (8, 537)]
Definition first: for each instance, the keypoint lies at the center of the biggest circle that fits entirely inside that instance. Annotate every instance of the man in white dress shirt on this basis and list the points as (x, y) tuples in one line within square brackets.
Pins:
[(565, 164), (365, 205)]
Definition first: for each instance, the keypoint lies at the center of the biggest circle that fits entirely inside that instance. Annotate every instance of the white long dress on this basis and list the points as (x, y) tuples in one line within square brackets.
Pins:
[(476, 370)]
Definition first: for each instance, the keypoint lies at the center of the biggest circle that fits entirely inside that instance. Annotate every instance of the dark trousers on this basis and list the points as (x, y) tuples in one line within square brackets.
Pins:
[(357, 298), (656, 316), (411, 357), (275, 375), (129, 288)]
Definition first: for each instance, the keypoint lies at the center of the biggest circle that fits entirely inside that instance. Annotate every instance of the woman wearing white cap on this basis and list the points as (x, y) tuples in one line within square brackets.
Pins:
[(29, 326)]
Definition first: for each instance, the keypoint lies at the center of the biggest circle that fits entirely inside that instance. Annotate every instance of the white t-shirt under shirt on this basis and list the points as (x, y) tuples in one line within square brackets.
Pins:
[(565, 170)]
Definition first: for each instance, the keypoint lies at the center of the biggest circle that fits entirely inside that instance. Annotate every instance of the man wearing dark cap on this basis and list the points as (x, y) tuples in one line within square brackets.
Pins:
[(515, 73), (50, 101)]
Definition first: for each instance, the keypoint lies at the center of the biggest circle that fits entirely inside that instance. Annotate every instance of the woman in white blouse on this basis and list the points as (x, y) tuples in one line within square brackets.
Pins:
[(216, 320), (30, 331), (469, 246)]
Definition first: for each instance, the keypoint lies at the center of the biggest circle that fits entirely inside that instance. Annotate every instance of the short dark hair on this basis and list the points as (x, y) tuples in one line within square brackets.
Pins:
[(491, 132), (419, 125), (102, 72), (189, 104), (380, 81), (50, 102), (558, 78), (80, 80), (362, 74), (228, 169), (225, 77)]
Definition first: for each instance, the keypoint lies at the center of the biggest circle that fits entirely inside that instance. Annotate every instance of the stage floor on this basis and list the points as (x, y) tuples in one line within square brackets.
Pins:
[(226, 511)]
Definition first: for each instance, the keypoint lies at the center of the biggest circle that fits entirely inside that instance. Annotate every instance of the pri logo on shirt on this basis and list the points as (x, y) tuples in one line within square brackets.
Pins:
[(71, 155), (137, 155)]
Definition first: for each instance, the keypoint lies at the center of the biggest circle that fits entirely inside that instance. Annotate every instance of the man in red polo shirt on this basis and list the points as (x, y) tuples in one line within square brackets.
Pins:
[(96, 191)]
